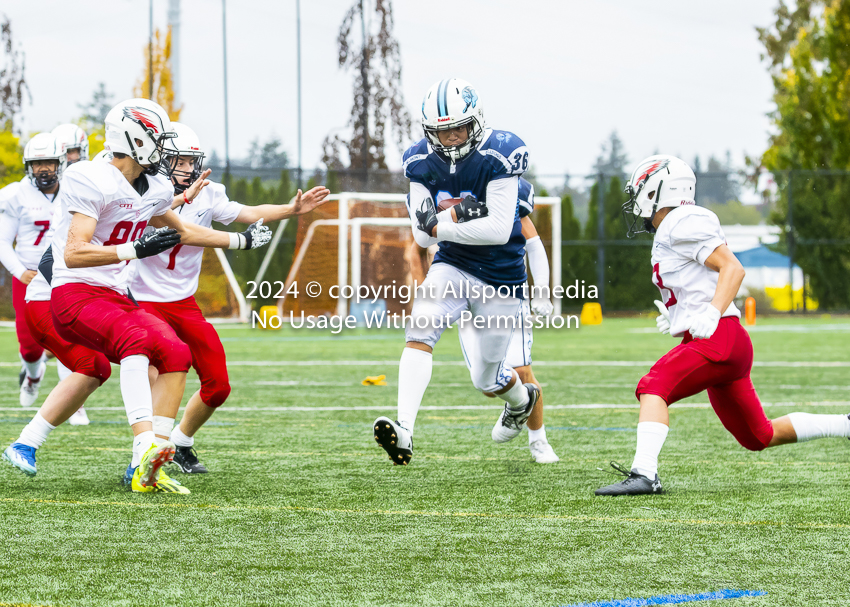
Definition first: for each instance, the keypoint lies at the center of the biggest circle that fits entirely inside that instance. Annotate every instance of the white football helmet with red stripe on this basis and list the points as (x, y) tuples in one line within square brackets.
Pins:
[(140, 129), (186, 145), (70, 137), (449, 104), (658, 181)]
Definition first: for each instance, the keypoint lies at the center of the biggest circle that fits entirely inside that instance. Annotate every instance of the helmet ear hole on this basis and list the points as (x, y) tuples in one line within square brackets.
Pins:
[(651, 195)]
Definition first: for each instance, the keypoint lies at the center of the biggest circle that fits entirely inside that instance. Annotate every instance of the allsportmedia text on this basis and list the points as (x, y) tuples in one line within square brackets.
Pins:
[(405, 293), (386, 320)]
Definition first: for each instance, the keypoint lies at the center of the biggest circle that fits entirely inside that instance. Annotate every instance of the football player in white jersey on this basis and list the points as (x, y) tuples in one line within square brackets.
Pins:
[(108, 206), (27, 210), (463, 196), (73, 141), (86, 370), (698, 277), (165, 286)]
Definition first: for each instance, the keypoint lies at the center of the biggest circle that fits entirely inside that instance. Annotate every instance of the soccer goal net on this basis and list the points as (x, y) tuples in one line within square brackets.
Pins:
[(364, 239)]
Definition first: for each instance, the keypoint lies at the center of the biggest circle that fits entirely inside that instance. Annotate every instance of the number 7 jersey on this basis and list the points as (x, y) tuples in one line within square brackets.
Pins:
[(30, 211), (685, 239), (173, 275), (99, 190)]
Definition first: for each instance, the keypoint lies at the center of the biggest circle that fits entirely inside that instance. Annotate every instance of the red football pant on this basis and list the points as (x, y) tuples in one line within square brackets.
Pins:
[(30, 350), (208, 357), (720, 364), (77, 358), (107, 322)]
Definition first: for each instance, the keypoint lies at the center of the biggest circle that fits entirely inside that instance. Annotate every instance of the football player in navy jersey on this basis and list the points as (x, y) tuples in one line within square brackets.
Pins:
[(464, 184)]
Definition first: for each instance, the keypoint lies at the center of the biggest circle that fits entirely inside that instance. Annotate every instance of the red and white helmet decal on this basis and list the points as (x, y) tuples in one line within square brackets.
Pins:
[(144, 116)]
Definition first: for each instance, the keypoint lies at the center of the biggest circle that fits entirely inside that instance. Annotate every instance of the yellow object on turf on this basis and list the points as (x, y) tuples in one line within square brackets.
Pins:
[(137, 487), (265, 320), (166, 484), (591, 313), (375, 380)]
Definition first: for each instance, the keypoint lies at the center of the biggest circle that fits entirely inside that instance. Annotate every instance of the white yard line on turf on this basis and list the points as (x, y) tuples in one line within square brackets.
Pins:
[(460, 363), (494, 407)]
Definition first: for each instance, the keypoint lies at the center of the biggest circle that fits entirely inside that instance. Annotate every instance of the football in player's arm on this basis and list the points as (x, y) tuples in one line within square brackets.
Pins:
[(699, 277)]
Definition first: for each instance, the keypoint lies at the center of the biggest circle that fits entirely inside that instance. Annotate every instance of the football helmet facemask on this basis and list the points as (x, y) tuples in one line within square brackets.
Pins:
[(185, 144), (44, 146), (450, 104), (141, 129), (658, 181)]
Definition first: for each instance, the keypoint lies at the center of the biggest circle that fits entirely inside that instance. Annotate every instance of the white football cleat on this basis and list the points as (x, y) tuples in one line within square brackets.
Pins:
[(29, 388), (542, 452), (79, 418), (396, 440), (512, 421)]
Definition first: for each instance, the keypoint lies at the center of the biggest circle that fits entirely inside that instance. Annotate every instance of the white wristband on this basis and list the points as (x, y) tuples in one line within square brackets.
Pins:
[(237, 241), (126, 251)]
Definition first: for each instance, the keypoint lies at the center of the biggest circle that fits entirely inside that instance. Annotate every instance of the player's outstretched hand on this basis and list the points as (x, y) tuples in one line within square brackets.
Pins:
[(427, 216), (255, 236), (470, 208), (193, 190), (542, 306), (704, 323), (148, 244), (663, 321), (309, 200)]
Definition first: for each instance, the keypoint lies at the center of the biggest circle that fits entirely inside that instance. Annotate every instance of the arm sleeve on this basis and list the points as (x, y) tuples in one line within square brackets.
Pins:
[(697, 236), (537, 261), (495, 229), (8, 257), (418, 193)]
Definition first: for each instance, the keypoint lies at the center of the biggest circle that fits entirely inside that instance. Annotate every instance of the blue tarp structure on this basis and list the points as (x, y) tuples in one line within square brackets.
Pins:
[(762, 257)]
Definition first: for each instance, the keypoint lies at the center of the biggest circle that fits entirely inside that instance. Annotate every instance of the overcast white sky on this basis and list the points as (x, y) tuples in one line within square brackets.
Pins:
[(677, 77)]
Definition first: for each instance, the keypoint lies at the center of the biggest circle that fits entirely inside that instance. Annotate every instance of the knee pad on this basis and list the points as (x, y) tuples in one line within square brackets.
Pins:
[(490, 378), (172, 357), (215, 393)]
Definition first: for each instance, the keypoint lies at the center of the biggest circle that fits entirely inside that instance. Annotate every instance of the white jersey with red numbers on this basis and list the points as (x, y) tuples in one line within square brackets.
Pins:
[(685, 239), (173, 275), (26, 215), (99, 190)]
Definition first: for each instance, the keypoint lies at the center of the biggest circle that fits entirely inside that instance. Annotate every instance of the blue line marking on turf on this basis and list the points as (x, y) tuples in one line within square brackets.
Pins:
[(674, 599)]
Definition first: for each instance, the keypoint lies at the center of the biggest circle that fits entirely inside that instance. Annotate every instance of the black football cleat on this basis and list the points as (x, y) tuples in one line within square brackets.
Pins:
[(186, 459), (22, 376), (633, 484), (395, 440)]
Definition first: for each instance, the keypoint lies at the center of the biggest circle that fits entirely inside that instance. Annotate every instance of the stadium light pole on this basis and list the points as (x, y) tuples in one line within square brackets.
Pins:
[(150, 50), (298, 54), (226, 126)]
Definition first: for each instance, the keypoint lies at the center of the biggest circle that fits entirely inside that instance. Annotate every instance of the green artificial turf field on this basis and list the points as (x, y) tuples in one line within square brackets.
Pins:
[(301, 507)]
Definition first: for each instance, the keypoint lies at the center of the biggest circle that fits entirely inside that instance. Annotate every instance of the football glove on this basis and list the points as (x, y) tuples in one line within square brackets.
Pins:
[(254, 237), (663, 321), (470, 208), (150, 243), (541, 306), (427, 216), (704, 323)]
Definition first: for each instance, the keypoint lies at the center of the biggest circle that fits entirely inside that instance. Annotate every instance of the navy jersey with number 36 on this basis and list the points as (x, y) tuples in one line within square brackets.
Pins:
[(499, 155)]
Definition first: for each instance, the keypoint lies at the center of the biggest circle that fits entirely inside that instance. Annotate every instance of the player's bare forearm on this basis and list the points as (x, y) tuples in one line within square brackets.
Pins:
[(191, 234), (732, 273), (303, 203), (80, 252)]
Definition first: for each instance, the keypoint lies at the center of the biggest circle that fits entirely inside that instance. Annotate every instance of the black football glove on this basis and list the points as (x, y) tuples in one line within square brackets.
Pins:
[(470, 208), (254, 237), (427, 216), (155, 242)]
